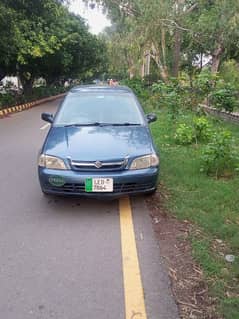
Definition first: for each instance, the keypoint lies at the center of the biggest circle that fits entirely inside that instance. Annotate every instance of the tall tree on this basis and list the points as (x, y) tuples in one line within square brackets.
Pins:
[(45, 40), (215, 31), (176, 31), (156, 27)]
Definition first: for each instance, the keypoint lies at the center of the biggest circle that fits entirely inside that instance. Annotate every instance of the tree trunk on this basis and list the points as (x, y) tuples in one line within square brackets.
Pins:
[(163, 45), (130, 63), (131, 74), (163, 71), (201, 61), (216, 58), (147, 63), (142, 68), (2, 74), (164, 74), (191, 79), (179, 10), (176, 52), (52, 81), (27, 83), (162, 68)]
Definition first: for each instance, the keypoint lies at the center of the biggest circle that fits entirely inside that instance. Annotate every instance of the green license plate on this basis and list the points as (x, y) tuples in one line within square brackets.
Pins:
[(99, 185)]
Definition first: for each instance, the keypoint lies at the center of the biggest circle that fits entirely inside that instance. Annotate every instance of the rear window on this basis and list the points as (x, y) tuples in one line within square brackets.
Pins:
[(112, 108)]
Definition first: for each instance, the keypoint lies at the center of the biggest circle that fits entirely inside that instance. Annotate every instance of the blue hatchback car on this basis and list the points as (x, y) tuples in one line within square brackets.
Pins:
[(99, 145)]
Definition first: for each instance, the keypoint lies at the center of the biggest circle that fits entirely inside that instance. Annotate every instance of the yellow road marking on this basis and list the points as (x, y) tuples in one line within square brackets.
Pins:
[(133, 289)]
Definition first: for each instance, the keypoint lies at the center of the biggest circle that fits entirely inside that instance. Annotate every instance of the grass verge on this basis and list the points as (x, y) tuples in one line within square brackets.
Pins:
[(211, 205)]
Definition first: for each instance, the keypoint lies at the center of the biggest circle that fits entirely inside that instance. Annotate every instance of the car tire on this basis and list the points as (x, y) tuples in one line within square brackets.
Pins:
[(150, 193), (45, 194)]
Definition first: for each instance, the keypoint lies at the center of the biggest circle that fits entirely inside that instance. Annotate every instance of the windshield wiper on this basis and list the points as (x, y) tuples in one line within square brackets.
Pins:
[(125, 124), (101, 124), (83, 124)]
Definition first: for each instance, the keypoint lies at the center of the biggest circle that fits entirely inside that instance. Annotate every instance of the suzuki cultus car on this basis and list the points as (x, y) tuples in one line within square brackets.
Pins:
[(99, 144)]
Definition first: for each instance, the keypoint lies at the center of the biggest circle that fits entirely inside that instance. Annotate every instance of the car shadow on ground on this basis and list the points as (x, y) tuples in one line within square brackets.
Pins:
[(77, 206)]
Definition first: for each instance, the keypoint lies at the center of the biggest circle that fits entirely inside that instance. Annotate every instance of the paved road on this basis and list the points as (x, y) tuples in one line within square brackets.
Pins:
[(64, 258)]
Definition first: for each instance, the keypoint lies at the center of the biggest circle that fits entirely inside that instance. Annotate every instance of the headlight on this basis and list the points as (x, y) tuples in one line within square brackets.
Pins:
[(52, 162), (145, 162)]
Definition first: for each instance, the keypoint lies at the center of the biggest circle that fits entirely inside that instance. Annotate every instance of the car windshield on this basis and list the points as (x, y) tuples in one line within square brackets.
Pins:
[(99, 108)]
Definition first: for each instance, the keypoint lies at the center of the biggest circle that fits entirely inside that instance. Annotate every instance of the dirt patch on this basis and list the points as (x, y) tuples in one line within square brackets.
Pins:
[(188, 285)]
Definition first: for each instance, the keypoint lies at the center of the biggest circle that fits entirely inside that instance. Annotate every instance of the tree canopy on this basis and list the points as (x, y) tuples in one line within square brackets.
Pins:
[(42, 39), (174, 33), (159, 37)]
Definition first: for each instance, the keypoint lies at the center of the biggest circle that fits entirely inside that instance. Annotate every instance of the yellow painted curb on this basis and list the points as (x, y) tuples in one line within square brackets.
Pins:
[(22, 107)]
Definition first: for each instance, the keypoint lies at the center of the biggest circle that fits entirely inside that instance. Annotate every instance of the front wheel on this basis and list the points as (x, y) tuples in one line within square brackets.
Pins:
[(150, 193), (45, 194)]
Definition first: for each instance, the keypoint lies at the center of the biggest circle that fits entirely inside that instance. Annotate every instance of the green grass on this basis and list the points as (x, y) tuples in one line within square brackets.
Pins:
[(211, 205)]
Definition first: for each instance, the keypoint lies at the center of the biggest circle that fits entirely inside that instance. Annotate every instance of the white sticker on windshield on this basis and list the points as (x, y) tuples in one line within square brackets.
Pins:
[(100, 97)]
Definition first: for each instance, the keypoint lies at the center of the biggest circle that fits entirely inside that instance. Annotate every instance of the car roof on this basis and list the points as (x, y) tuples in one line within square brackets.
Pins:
[(101, 88)]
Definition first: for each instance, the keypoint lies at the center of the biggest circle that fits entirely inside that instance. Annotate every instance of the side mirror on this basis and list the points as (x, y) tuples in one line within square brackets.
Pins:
[(151, 117), (47, 117)]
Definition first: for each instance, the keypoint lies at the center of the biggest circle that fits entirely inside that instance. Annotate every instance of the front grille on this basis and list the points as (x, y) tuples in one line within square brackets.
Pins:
[(131, 187), (118, 188), (99, 165), (69, 188)]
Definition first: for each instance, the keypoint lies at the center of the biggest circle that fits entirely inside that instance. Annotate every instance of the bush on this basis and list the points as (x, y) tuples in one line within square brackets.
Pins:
[(205, 83), (166, 88), (181, 95), (45, 91), (224, 98), (153, 102), (184, 134), (169, 96), (190, 98), (138, 86), (174, 103), (6, 99), (230, 73), (220, 158), (200, 131), (11, 99)]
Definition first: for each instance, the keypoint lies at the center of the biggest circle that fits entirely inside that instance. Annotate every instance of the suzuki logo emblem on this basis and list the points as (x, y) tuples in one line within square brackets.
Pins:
[(98, 164)]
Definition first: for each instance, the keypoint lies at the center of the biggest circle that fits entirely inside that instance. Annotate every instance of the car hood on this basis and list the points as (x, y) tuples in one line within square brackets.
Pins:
[(98, 143)]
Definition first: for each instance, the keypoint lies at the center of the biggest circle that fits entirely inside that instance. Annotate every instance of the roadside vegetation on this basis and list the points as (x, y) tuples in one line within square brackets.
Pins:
[(200, 173), (13, 97), (210, 202)]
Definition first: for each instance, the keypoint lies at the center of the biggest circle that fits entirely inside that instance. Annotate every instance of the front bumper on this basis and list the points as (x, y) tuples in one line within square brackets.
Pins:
[(127, 182)]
